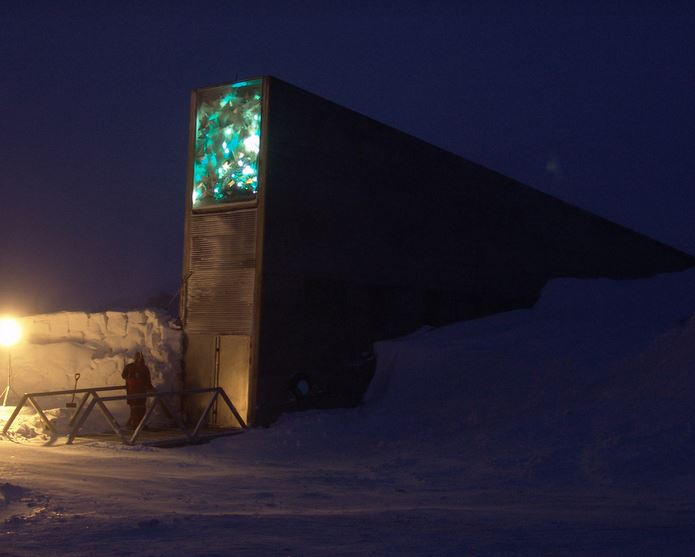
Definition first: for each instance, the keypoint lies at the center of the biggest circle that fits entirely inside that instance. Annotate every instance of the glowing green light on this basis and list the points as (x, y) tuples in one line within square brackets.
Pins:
[(227, 144)]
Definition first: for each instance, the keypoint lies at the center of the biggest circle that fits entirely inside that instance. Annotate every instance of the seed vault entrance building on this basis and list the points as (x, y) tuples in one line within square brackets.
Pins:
[(312, 231)]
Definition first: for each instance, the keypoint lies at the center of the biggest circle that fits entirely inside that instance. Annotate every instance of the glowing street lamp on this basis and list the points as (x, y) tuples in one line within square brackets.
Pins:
[(10, 333)]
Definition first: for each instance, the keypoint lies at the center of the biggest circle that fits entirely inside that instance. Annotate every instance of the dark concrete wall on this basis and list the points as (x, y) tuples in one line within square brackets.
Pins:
[(370, 232)]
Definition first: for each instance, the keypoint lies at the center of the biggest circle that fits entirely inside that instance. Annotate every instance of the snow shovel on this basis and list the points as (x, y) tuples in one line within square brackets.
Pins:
[(72, 403)]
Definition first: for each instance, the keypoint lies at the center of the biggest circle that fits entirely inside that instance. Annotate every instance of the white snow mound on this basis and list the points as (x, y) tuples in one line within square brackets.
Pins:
[(597, 380), (97, 346)]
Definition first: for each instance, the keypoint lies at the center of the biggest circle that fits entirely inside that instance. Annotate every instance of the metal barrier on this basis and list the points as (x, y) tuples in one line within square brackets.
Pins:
[(81, 413), (31, 399)]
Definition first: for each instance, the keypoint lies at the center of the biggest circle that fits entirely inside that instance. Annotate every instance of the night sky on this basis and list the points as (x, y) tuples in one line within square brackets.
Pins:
[(595, 108)]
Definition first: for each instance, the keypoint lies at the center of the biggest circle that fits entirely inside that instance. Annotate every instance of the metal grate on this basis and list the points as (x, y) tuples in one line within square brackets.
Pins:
[(220, 290)]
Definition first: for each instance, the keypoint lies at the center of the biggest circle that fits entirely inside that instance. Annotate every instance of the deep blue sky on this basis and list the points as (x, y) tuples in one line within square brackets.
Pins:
[(593, 107)]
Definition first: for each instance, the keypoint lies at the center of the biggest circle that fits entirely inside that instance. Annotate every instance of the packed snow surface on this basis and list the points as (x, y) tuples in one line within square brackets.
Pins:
[(566, 429)]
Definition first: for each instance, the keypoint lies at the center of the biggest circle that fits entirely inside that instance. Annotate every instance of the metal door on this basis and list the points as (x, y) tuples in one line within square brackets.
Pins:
[(200, 371), (234, 359)]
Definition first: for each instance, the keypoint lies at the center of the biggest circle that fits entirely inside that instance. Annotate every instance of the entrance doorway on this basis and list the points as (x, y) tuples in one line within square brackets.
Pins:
[(218, 361)]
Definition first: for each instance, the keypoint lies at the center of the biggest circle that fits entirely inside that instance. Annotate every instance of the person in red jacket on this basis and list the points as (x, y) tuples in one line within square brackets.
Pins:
[(137, 381)]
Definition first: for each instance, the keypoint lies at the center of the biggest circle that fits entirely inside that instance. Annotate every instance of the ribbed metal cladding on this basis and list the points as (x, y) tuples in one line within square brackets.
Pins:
[(222, 260)]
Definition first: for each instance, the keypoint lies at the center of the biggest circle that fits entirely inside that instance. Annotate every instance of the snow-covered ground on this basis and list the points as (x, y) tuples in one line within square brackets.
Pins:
[(567, 429)]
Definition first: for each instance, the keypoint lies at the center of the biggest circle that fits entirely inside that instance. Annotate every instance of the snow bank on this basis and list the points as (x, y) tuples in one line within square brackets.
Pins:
[(593, 385), (596, 380), (577, 329), (97, 346)]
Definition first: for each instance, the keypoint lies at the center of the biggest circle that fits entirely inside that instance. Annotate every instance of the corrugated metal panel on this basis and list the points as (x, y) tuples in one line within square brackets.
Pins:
[(222, 261)]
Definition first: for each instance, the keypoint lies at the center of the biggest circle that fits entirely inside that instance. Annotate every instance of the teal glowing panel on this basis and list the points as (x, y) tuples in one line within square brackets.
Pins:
[(227, 144)]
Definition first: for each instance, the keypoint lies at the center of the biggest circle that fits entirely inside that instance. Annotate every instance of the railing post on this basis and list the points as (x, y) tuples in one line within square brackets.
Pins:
[(81, 421), (43, 417), (143, 421), (174, 418), (17, 410), (205, 414), (109, 417), (231, 407), (79, 408)]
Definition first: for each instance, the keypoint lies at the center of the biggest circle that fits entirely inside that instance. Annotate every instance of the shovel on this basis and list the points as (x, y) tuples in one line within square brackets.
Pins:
[(72, 403)]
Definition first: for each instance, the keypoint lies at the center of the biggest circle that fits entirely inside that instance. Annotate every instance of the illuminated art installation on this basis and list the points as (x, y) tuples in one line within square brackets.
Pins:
[(227, 143)]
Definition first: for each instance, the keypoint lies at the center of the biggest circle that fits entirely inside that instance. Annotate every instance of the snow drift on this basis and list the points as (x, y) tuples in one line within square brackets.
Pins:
[(592, 386), (95, 345), (595, 383)]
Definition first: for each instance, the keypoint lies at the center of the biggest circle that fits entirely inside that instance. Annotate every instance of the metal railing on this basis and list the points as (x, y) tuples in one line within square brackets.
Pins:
[(84, 410)]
